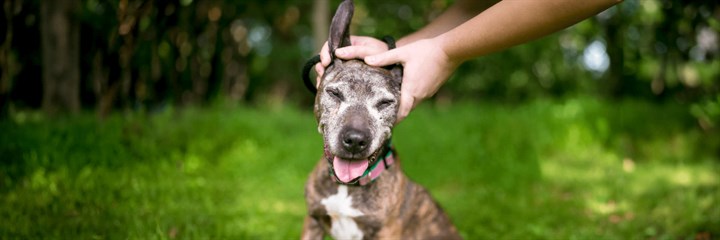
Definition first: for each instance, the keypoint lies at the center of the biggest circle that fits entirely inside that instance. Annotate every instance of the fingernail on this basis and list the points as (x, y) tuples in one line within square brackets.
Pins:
[(339, 52)]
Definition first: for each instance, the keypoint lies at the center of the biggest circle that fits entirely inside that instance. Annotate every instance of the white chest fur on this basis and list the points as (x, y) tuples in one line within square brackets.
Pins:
[(339, 207)]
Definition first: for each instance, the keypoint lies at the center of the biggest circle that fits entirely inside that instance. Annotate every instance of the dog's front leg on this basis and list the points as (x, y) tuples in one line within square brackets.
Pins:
[(311, 229)]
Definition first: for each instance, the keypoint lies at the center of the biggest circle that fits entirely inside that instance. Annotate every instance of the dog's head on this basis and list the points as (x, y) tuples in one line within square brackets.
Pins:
[(356, 104)]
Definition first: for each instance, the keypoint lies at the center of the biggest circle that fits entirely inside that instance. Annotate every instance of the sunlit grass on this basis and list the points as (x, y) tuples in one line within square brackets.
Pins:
[(578, 168)]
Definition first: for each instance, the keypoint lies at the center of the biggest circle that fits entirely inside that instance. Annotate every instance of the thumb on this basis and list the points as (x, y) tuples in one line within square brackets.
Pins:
[(386, 58), (406, 104)]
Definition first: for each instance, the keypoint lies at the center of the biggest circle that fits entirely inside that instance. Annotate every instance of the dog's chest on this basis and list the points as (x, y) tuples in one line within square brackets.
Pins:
[(348, 213), (339, 208)]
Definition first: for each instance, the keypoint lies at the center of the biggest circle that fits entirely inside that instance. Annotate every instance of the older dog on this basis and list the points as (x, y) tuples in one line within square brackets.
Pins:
[(357, 190)]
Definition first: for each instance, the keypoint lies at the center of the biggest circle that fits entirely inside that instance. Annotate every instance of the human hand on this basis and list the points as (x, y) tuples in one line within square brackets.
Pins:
[(426, 68), (361, 47)]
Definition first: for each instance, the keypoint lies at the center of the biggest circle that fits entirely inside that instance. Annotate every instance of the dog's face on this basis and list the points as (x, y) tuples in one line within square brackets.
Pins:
[(356, 105)]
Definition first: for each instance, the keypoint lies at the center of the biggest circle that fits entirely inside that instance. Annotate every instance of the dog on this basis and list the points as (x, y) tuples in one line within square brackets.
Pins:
[(357, 190)]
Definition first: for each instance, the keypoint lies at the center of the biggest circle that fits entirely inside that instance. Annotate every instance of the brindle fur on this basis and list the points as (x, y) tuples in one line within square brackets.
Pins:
[(393, 207)]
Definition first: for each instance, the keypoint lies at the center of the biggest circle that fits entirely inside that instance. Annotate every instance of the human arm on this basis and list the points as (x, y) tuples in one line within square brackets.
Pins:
[(430, 55), (513, 22), (452, 17), (429, 62), (362, 46)]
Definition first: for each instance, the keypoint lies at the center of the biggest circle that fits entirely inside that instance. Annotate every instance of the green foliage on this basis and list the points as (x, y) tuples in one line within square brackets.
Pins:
[(141, 54), (707, 112), (570, 169)]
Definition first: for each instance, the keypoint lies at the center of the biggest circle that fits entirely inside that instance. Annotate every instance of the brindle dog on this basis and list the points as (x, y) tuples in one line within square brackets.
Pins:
[(355, 191)]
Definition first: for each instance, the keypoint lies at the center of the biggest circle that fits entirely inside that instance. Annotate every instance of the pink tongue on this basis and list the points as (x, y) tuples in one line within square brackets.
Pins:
[(346, 170)]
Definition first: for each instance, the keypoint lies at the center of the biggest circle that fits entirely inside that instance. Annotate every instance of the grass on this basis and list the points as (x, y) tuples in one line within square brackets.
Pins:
[(572, 169)]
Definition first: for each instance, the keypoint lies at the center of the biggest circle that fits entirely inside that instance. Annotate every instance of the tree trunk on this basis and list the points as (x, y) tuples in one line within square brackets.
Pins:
[(60, 33), (6, 71), (614, 30), (321, 21)]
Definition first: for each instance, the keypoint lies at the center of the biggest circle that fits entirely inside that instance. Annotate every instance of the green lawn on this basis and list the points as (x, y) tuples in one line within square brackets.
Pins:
[(573, 169)]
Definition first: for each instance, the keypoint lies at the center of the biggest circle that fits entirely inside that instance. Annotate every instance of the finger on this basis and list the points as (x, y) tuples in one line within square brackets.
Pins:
[(357, 52), (362, 40), (356, 40), (319, 69), (386, 58), (325, 55), (406, 104)]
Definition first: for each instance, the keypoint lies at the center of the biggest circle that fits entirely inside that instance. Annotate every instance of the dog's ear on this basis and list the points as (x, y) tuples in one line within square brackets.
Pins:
[(340, 27), (397, 74)]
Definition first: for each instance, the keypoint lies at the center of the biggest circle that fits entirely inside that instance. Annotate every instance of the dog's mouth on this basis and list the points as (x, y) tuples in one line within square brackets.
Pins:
[(349, 170)]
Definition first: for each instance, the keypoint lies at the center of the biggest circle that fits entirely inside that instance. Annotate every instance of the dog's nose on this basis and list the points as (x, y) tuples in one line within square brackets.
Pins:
[(354, 140)]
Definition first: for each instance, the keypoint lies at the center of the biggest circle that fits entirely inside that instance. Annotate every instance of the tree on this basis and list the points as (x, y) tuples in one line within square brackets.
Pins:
[(60, 33)]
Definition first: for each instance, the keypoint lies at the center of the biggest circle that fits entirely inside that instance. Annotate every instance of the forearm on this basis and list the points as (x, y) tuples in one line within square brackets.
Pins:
[(455, 15), (512, 22)]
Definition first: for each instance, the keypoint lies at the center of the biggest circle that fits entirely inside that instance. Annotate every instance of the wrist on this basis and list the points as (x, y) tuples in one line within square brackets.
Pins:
[(445, 45)]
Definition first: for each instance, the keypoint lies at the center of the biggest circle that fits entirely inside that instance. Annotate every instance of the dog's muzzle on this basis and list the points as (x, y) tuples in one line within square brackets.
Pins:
[(360, 172)]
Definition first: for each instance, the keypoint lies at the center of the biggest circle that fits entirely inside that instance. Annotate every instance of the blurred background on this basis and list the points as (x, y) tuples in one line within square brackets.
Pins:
[(188, 118), (104, 56)]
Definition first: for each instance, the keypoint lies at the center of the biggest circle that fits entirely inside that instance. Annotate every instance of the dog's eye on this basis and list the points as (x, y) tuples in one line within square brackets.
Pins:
[(335, 93), (382, 104)]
